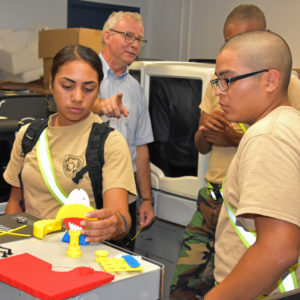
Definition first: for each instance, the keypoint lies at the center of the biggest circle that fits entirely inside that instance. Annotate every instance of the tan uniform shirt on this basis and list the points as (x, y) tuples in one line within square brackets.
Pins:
[(68, 145), (220, 157), (262, 179)]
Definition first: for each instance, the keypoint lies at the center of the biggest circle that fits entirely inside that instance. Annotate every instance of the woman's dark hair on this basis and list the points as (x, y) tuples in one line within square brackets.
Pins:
[(77, 52)]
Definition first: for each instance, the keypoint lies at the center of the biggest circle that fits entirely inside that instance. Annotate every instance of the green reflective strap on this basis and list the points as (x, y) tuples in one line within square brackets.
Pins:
[(281, 286), (295, 281), (263, 297), (283, 282), (288, 282), (44, 139), (292, 273), (291, 276), (231, 212), (209, 185), (212, 191), (243, 127)]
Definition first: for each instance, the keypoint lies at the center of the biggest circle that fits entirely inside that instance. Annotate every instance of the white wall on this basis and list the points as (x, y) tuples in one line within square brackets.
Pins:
[(27, 14), (166, 29), (208, 16), (175, 29)]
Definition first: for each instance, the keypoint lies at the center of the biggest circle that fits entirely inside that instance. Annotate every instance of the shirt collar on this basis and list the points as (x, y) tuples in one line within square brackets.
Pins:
[(108, 72)]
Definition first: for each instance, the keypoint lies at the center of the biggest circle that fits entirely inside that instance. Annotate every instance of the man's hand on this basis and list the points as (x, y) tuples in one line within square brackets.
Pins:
[(110, 107), (233, 136), (218, 131), (215, 121), (226, 138), (146, 213)]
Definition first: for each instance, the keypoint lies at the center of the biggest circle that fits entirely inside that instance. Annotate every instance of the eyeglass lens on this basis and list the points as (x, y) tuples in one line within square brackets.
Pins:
[(223, 84), (131, 38)]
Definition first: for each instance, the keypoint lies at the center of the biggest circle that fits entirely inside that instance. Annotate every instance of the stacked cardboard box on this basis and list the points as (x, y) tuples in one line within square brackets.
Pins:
[(51, 41), (19, 55)]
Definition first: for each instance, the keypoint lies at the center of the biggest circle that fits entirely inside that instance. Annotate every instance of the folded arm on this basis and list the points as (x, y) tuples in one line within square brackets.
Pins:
[(214, 129)]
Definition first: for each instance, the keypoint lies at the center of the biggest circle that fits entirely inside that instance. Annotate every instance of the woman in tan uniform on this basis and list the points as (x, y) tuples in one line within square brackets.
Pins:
[(76, 76)]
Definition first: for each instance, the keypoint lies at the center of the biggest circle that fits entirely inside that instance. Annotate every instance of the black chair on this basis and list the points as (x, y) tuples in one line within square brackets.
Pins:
[(17, 109)]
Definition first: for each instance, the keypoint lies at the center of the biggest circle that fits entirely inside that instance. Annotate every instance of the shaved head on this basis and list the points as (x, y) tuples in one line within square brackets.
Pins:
[(243, 18), (263, 50)]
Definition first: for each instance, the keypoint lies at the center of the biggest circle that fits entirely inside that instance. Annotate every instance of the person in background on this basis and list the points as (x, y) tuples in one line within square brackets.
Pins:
[(219, 137), (125, 101), (258, 232), (75, 78)]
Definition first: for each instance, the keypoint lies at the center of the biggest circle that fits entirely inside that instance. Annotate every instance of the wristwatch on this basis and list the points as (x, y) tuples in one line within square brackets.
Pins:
[(125, 222)]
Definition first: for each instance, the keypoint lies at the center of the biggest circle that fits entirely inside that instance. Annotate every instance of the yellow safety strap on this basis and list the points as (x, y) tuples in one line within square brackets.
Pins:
[(243, 127), (47, 169), (211, 191), (289, 282)]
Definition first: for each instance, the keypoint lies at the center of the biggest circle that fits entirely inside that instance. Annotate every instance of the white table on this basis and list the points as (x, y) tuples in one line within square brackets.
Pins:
[(137, 285)]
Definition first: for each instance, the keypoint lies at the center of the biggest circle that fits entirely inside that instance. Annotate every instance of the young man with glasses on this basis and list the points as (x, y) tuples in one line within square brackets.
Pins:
[(258, 232), (123, 102), (219, 137)]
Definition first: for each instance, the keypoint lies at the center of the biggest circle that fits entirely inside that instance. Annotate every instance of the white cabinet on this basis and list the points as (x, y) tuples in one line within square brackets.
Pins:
[(162, 243)]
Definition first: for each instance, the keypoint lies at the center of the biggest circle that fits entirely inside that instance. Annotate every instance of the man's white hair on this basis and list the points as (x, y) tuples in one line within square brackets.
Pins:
[(116, 17)]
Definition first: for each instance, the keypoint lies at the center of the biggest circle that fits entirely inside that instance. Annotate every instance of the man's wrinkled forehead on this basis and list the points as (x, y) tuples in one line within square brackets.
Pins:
[(128, 23)]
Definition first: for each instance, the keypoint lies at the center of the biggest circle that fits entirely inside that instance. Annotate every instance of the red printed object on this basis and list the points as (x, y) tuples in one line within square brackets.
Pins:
[(35, 277), (75, 221)]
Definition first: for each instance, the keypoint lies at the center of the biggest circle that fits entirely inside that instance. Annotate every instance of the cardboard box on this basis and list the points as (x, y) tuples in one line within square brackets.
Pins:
[(23, 60), (51, 41), (24, 77), (19, 51)]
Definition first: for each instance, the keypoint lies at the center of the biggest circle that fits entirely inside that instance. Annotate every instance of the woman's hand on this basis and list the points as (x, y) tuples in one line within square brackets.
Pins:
[(109, 225)]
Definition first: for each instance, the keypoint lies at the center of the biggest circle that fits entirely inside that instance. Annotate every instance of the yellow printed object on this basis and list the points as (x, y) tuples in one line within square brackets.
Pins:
[(11, 231), (74, 248), (74, 210), (115, 265), (101, 253), (42, 227)]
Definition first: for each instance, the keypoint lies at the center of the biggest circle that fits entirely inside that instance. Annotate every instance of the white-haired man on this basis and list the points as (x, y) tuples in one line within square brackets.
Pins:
[(123, 36)]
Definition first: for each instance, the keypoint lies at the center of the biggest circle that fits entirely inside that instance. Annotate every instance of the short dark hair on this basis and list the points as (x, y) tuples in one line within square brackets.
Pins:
[(263, 50), (247, 12), (77, 52)]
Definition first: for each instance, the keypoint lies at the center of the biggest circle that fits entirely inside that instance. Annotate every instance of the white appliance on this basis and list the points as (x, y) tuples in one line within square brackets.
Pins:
[(175, 197)]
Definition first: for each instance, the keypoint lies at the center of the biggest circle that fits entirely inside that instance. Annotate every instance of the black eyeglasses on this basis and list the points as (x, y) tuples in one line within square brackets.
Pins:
[(224, 83), (130, 38)]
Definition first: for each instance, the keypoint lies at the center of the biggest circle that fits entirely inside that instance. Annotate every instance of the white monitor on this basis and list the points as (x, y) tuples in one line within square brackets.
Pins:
[(174, 91), (137, 68)]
